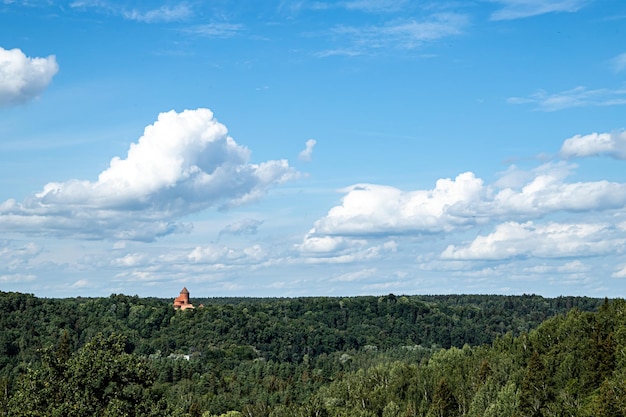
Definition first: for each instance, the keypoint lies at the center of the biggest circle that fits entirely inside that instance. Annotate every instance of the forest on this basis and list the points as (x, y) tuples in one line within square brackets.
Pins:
[(366, 356)]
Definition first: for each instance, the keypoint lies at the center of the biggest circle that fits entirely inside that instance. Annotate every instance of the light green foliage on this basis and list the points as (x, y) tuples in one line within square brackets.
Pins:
[(227, 414), (506, 404)]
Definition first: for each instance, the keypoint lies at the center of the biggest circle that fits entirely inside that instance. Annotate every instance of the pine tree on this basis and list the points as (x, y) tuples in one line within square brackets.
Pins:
[(534, 390), (444, 403)]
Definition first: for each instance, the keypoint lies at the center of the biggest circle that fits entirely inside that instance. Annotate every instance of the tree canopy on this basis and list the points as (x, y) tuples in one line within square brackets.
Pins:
[(463, 355)]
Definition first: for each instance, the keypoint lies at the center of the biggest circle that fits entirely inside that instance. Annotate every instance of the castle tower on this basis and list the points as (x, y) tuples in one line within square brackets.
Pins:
[(182, 301)]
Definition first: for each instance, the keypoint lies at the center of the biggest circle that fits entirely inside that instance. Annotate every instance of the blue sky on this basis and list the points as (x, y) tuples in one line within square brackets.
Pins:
[(296, 148)]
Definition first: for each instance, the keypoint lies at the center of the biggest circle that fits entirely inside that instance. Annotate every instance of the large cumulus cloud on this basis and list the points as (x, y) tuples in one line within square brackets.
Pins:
[(455, 204), (184, 162), (23, 78), (368, 209), (538, 213), (466, 222)]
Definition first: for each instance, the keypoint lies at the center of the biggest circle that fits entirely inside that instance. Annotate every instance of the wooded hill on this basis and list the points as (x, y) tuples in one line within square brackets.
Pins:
[(457, 355)]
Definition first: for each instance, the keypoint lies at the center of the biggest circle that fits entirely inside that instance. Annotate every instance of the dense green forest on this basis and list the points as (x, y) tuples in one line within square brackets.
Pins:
[(456, 355)]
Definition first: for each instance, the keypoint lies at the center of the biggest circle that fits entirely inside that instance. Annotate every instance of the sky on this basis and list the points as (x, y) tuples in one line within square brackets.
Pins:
[(287, 148)]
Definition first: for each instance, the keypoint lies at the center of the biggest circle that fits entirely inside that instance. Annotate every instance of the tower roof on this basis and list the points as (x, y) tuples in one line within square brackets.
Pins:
[(184, 291)]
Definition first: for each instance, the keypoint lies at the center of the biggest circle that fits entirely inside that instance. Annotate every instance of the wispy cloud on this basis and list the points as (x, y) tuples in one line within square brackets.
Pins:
[(552, 240), (81, 283), (215, 30), (15, 257), (619, 62), (162, 14), (359, 275), (23, 78), (375, 5), (307, 152), (78, 4), (243, 227), (17, 278), (342, 250), (576, 97), (294, 7), (400, 34), (338, 52), (620, 273), (517, 9)]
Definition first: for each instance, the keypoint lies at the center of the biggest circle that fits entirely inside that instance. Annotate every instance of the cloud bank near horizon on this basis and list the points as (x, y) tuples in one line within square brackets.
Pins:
[(532, 214)]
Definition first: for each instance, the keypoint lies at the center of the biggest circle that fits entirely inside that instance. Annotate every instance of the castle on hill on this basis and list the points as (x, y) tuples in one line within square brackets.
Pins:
[(182, 301)]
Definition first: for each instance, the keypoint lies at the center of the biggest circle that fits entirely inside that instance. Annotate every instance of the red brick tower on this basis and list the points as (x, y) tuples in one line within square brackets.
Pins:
[(182, 301)]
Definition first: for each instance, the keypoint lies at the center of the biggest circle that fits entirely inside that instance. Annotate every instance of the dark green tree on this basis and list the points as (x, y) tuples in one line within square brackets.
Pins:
[(606, 402), (100, 379), (444, 403), (535, 388)]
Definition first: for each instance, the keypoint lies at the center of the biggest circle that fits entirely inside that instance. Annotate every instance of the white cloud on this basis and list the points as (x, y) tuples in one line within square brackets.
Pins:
[(595, 144), (16, 256), (221, 254), (513, 177), (307, 152), (364, 255), (375, 6), (376, 210), (81, 283), (242, 227), (517, 9), (17, 278), (619, 62), (324, 244), (338, 52), (130, 260), (576, 97), (162, 266), (370, 209), (162, 14), (213, 254), (356, 275), (88, 3), (184, 163), (385, 286), (340, 250), (216, 30), (548, 193), (621, 273), (573, 267), (405, 34), (141, 276), (23, 78), (552, 240), (255, 253)]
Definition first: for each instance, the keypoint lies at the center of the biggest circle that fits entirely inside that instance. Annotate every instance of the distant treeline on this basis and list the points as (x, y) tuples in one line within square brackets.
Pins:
[(454, 355)]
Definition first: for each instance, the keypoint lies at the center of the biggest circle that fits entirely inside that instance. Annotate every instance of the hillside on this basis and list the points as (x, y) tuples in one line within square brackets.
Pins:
[(262, 356)]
